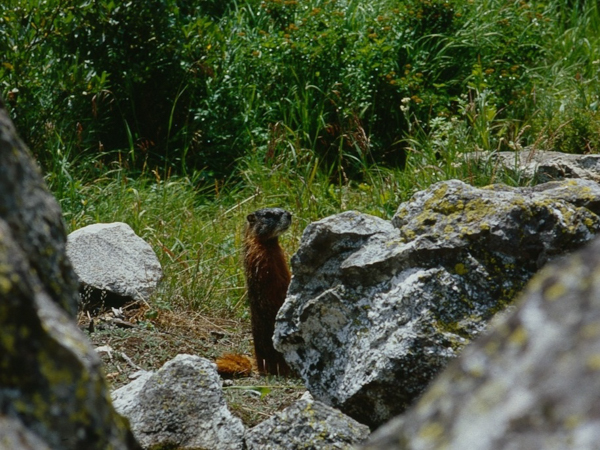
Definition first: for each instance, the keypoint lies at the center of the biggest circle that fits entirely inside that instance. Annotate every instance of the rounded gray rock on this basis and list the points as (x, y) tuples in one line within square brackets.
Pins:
[(306, 424), (111, 258), (182, 406)]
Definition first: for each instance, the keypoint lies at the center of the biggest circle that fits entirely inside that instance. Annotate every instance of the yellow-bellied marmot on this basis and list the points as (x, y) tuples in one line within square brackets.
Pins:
[(267, 279)]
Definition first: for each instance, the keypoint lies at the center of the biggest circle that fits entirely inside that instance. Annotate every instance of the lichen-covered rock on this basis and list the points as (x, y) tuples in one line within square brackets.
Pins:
[(34, 217), (14, 435), (376, 309), (306, 424), (180, 406), (111, 260), (52, 391), (531, 382), (529, 224)]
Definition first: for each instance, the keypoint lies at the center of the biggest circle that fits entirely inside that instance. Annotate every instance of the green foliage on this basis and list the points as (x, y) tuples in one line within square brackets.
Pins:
[(43, 84), (195, 86), (107, 77), (576, 131), (568, 99)]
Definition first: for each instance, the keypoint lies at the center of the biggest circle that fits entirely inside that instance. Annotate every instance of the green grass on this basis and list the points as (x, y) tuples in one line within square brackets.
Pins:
[(193, 119), (197, 231)]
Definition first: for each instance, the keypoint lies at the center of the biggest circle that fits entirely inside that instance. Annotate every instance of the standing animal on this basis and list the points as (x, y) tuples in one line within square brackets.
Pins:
[(267, 279)]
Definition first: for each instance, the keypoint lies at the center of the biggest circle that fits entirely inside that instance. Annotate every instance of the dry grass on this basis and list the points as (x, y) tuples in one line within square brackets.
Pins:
[(139, 342)]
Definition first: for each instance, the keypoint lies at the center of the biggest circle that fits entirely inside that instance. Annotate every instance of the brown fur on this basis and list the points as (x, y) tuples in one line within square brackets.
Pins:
[(267, 278), (232, 365)]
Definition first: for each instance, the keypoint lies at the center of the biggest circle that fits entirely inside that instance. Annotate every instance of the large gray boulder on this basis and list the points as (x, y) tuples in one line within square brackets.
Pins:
[(34, 218), (531, 383), (16, 436), (307, 424), (376, 309), (180, 406), (113, 262), (52, 391)]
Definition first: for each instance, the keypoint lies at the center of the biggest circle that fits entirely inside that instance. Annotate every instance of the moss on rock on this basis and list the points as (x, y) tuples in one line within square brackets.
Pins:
[(51, 384)]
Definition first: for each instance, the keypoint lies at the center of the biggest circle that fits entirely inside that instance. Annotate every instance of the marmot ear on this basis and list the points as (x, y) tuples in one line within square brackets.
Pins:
[(250, 218)]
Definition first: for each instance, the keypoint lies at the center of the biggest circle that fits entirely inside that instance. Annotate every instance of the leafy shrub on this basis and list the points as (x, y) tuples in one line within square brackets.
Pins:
[(107, 75), (336, 85), (44, 85), (351, 80)]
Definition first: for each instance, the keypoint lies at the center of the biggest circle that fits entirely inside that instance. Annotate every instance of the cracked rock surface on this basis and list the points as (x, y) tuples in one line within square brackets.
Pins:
[(307, 424), (532, 382), (377, 308), (180, 406)]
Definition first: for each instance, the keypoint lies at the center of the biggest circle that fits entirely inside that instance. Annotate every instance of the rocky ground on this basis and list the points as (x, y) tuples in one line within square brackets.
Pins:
[(135, 337)]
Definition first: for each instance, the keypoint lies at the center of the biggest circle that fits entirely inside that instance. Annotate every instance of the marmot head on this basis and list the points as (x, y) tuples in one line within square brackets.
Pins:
[(268, 223)]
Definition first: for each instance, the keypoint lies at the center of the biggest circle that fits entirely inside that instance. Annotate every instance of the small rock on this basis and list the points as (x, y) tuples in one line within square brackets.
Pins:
[(543, 166), (112, 261), (306, 424), (307, 396), (181, 405)]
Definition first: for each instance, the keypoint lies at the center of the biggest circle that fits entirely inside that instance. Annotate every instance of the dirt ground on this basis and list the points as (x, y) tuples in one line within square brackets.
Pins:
[(133, 337)]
